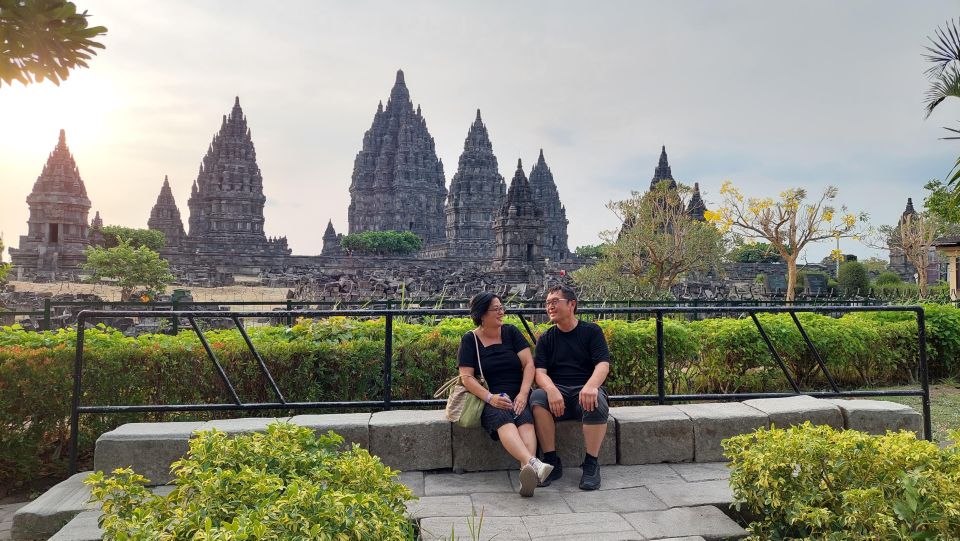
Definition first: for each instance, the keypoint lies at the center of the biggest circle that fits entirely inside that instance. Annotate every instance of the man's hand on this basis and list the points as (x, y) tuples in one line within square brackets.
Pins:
[(588, 397), (555, 399)]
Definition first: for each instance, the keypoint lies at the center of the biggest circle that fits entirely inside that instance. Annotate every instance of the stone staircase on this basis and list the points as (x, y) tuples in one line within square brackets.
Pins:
[(662, 475)]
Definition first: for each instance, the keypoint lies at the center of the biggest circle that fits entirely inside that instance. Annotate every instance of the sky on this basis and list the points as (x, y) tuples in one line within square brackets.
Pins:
[(769, 95)]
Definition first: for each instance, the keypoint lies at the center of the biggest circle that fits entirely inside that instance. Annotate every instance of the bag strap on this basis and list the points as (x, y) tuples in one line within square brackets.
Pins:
[(447, 385), (477, 342)]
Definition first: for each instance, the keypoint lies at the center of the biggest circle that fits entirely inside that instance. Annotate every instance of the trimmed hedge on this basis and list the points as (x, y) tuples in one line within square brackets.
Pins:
[(815, 482), (341, 359)]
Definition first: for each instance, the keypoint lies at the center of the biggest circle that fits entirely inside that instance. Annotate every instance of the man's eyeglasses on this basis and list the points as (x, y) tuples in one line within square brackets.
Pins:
[(501, 309), (553, 302)]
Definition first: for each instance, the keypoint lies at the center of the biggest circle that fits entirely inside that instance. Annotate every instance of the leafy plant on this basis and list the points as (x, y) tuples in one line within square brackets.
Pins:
[(853, 278), (382, 242), (284, 484), (113, 235), (130, 267), (816, 482)]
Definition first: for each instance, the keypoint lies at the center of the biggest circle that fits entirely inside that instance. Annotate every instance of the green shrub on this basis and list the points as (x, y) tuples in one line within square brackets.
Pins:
[(382, 242), (114, 235), (853, 278), (285, 484), (815, 482), (888, 278)]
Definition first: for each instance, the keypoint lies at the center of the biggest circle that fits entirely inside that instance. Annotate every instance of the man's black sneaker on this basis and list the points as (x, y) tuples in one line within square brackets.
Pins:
[(590, 480), (557, 472)]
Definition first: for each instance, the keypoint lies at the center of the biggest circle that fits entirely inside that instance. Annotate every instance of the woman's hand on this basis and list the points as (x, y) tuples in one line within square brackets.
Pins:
[(520, 403), (501, 401)]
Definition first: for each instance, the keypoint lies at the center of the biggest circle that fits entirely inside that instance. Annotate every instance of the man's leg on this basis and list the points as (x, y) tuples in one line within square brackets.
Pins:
[(593, 438)]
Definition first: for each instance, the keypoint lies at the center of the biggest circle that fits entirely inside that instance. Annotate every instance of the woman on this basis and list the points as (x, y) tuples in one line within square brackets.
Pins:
[(507, 366)]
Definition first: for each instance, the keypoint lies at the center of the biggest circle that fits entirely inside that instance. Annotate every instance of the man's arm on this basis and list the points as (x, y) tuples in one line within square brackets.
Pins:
[(591, 389), (554, 398)]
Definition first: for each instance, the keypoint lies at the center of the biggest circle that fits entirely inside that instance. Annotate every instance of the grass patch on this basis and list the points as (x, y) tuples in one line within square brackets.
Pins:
[(944, 406)]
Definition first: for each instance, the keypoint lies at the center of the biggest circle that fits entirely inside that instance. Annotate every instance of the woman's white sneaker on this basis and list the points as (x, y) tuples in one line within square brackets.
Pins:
[(528, 480), (542, 468)]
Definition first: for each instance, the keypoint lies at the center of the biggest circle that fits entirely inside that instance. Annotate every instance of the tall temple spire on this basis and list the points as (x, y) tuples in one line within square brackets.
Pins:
[(331, 241), (58, 226), (165, 217), (554, 215), (696, 208), (398, 182), (476, 193), (519, 229), (662, 172), (226, 210)]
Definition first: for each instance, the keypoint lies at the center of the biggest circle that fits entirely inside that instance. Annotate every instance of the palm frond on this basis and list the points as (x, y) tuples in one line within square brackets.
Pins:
[(953, 177), (946, 85), (944, 49)]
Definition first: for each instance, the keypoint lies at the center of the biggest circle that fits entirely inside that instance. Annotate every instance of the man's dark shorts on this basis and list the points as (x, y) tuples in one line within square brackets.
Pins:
[(571, 405)]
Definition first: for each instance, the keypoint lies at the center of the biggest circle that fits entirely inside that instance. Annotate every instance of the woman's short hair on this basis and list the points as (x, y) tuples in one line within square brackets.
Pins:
[(480, 303)]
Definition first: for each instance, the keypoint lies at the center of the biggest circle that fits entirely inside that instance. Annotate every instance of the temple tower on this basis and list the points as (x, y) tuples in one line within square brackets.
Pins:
[(696, 208), (58, 227), (554, 214), (165, 217), (477, 191), (662, 172), (898, 260), (331, 241), (519, 228), (226, 201), (398, 182)]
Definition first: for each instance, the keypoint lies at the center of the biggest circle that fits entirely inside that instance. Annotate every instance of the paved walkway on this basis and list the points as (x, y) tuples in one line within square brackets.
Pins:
[(657, 501), (646, 502)]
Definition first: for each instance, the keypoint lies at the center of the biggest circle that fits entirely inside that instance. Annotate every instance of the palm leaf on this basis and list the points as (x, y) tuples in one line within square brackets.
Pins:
[(944, 49), (946, 85)]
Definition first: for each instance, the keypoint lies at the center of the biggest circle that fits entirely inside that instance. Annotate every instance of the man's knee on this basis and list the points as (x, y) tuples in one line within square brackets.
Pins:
[(538, 397), (600, 414)]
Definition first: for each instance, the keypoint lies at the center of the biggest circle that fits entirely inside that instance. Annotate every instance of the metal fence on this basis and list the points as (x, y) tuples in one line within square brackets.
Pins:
[(386, 402)]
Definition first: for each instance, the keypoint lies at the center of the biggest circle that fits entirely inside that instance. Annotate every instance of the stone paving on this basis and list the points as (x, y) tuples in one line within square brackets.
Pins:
[(644, 502), (6, 518)]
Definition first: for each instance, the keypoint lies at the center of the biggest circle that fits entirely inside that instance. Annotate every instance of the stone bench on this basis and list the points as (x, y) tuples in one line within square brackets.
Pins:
[(424, 440)]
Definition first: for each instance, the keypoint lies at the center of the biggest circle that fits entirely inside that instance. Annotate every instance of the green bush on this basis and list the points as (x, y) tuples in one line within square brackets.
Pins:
[(815, 482), (114, 235), (382, 242), (888, 278), (853, 278), (754, 252), (285, 484)]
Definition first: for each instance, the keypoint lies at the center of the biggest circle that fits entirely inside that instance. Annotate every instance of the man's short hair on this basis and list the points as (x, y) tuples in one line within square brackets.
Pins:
[(565, 291)]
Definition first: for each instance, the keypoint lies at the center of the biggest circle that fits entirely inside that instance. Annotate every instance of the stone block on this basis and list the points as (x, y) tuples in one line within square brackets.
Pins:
[(878, 416), (509, 504), (652, 434), (148, 448), (578, 524), (625, 500), (243, 425), (474, 450), (354, 427), (493, 528), (570, 445), (692, 494), (796, 410), (411, 439), (45, 516), (713, 423), (83, 527), (706, 521), (445, 484)]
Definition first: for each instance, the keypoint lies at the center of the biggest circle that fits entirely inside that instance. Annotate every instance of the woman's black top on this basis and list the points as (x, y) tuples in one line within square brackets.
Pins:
[(501, 364)]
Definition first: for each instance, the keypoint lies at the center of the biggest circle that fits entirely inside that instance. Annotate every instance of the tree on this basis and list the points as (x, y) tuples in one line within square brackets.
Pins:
[(151, 238), (658, 243), (382, 242), (944, 74), (914, 237), (853, 278), (43, 40), (589, 251), (130, 267), (941, 202), (788, 224)]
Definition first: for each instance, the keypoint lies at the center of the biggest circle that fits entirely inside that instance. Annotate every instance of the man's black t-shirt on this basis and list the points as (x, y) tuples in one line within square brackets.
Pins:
[(570, 357), (500, 363)]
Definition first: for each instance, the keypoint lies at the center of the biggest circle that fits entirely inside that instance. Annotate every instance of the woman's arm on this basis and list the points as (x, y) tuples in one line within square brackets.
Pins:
[(526, 361), (470, 382)]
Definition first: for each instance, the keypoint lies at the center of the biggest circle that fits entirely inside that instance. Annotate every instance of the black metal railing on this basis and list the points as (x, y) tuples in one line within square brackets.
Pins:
[(387, 402)]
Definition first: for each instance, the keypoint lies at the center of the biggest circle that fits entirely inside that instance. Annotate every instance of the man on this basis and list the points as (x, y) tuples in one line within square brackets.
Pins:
[(572, 362)]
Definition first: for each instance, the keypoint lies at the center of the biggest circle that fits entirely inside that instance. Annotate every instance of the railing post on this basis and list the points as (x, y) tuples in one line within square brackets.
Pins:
[(289, 315), (175, 321), (75, 402), (388, 359), (661, 364), (46, 315), (924, 374)]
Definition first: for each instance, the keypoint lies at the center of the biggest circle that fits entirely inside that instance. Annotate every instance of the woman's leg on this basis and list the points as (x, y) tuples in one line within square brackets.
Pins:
[(529, 437), (516, 445)]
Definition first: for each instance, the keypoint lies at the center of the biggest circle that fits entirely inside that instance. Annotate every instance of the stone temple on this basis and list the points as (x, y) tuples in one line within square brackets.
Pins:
[(57, 232)]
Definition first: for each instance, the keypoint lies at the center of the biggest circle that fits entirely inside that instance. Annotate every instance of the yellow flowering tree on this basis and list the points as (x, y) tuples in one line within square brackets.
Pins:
[(788, 224)]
